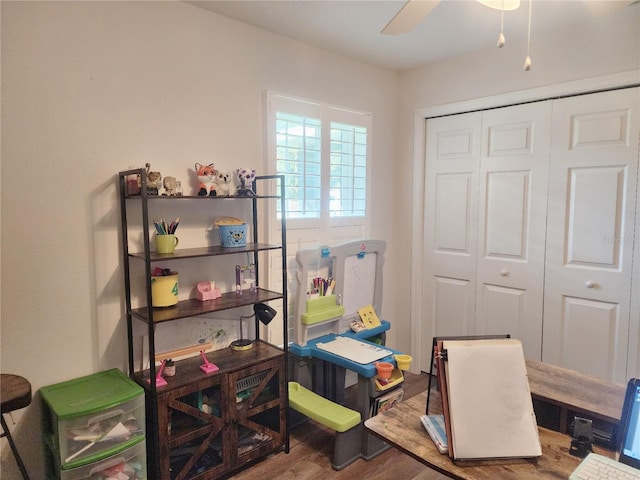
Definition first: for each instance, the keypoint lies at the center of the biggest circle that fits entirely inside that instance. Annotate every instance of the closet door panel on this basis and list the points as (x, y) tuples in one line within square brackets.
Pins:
[(512, 222), (595, 210), (450, 226), (450, 303), (506, 215), (452, 214), (592, 198), (592, 328)]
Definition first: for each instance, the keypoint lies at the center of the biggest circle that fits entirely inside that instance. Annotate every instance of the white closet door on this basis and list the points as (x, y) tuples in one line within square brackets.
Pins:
[(592, 198), (512, 223), (450, 226)]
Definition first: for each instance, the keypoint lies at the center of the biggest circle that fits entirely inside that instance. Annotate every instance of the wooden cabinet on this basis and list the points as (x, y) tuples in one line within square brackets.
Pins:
[(204, 425), (211, 425)]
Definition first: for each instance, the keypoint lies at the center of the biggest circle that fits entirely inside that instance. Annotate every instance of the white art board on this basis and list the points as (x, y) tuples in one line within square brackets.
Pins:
[(354, 350), (359, 282), (490, 407)]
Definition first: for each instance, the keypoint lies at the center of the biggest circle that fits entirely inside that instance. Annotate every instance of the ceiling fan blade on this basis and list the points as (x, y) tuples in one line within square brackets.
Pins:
[(409, 16)]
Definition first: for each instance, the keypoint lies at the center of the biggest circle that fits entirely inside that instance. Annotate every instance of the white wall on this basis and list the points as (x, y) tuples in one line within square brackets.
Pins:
[(89, 88)]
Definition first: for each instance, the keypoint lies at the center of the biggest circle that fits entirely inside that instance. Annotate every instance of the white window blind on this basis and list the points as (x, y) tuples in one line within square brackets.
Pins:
[(348, 177), (323, 152), (298, 157)]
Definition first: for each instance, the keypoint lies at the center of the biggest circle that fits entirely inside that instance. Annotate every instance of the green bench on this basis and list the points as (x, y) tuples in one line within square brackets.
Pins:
[(343, 420)]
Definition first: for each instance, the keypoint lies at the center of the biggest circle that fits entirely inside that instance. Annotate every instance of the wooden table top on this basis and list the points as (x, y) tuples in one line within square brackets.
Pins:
[(582, 393), (402, 428)]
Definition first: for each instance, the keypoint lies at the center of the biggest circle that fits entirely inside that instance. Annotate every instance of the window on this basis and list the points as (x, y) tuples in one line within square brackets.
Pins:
[(299, 158), (348, 177), (323, 153)]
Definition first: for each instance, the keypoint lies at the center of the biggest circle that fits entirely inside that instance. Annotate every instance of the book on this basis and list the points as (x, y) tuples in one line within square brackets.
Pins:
[(434, 425), (487, 405), (387, 401)]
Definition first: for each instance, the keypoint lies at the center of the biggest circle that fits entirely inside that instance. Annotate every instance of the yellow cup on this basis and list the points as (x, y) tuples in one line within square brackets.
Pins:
[(403, 361), (166, 243)]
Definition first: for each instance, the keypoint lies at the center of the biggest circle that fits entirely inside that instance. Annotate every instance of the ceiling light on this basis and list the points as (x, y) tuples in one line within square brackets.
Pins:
[(500, 5)]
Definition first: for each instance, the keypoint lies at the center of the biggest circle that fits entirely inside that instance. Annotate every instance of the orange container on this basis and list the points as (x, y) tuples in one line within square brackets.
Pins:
[(384, 369)]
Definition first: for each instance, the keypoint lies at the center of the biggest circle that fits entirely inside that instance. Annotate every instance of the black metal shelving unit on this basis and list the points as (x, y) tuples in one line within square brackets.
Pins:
[(151, 316)]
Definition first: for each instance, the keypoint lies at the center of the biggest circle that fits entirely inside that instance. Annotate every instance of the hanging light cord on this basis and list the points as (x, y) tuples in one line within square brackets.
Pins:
[(527, 61), (501, 40)]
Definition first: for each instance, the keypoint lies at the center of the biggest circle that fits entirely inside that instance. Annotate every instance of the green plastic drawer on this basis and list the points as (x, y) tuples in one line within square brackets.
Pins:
[(92, 417), (130, 464)]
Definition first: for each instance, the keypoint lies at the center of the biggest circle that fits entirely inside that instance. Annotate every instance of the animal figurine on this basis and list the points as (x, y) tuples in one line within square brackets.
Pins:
[(224, 181), (170, 184), (154, 181), (245, 182), (206, 179)]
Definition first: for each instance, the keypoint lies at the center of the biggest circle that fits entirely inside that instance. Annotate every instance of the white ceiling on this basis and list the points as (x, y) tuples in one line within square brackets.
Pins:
[(454, 27)]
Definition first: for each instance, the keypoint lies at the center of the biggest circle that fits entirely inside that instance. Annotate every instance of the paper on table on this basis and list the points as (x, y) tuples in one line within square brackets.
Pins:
[(354, 350), (490, 404)]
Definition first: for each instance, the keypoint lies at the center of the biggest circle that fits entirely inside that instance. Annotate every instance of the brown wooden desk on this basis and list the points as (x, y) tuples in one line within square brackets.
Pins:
[(401, 427), (559, 394)]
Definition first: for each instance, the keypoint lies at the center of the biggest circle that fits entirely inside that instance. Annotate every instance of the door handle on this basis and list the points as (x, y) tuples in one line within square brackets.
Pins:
[(504, 273), (590, 284)]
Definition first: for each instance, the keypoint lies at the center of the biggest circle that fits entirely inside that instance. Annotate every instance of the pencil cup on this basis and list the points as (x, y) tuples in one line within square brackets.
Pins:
[(166, 243)]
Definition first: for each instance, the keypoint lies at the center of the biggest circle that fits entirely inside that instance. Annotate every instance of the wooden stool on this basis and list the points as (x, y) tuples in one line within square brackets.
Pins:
[(15, 393)]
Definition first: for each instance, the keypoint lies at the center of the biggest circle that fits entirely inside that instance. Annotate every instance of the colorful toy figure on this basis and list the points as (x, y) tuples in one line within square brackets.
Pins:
[(206, 179), (245, 182), (154, 181), (224, 182), (170, 186)]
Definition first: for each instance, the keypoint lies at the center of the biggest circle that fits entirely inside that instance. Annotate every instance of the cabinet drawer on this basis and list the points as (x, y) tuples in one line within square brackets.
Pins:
[(90, 418), (130, 464)]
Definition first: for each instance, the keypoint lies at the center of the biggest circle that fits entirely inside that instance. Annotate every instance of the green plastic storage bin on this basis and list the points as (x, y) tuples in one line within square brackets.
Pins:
[(91, 418)]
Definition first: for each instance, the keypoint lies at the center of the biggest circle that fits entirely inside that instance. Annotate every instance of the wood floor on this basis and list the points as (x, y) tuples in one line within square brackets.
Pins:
[(311, 445)]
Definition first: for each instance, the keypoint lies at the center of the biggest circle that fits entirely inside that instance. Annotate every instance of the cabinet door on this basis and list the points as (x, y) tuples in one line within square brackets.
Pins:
[(592, 198), (512, 223), (451, 225), (259, 416), (193, 430)]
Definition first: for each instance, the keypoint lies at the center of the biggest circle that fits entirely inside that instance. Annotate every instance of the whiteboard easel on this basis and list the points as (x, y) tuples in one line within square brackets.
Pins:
[(358, 273), (357, 269)]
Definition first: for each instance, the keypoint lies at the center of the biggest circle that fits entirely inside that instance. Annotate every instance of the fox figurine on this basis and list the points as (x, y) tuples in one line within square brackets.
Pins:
[(206, 180)]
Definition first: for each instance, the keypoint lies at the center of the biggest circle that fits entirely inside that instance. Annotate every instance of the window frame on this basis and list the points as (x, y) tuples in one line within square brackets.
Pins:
[(327, 114)]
